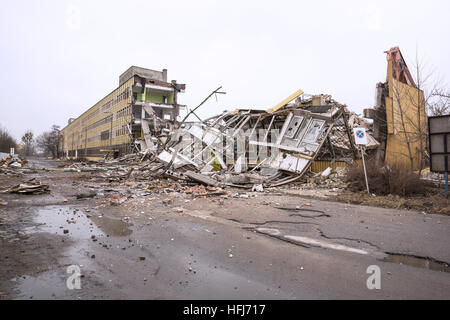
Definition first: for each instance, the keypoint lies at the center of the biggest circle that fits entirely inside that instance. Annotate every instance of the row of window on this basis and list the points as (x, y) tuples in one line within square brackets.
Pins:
[(120, 97), (100, 122), (123, 112), (107, 105), (123, 130), (104, 135)]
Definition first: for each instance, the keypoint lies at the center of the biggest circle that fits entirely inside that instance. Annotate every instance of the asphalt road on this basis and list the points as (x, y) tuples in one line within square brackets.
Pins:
[(269, 246)]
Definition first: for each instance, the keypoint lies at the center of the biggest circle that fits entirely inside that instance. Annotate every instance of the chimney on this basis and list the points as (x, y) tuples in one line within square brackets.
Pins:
[(164, 75)]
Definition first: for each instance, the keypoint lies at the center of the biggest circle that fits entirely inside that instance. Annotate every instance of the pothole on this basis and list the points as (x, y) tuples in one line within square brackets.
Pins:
[(418, 262)]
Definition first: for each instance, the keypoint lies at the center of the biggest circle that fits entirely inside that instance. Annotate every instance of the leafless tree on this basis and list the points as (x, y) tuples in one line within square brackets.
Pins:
[(431, 99), (48, 142), (28, 143), (410, 113), (439, 102), (6, 141)]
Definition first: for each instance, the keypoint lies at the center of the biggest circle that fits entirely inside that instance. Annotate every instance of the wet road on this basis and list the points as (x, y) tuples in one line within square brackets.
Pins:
[(183, 257), (266, 247)]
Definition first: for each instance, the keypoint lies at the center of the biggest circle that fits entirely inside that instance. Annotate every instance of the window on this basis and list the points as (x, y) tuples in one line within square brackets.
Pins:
[(104, 135), (293, 126), (313, 130)]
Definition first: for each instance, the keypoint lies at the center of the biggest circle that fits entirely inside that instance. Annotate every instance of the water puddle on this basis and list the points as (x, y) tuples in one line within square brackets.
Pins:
[(49, 285), (418, 262), (77, 224)]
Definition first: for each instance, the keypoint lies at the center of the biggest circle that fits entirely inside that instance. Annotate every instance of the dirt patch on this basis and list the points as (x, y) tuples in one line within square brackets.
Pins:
[(434, 202)]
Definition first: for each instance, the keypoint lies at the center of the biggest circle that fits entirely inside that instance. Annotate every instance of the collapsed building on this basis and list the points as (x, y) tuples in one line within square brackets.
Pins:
[(272, 147), (280, 144)]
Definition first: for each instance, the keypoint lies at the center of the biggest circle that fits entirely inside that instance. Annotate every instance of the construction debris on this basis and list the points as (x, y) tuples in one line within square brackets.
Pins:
[(246, 149), (12, 161), (29, 187), (304, 139)]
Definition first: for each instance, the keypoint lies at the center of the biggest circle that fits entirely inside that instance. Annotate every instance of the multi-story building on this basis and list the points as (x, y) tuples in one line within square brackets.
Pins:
[(144, 105)]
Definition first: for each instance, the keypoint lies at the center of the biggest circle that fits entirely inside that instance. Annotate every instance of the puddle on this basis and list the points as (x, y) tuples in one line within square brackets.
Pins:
[(77, 224), (49, 285), (74, 223), (418, 262)]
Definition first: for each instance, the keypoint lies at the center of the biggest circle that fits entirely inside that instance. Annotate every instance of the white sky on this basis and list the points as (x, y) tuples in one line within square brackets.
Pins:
[(59, 58)]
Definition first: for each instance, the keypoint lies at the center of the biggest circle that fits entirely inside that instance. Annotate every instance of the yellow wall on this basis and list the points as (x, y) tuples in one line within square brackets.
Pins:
[(78, 135), (407, 101)]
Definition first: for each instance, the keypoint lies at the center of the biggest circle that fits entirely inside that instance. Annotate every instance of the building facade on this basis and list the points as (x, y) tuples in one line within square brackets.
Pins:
[(144, 105)]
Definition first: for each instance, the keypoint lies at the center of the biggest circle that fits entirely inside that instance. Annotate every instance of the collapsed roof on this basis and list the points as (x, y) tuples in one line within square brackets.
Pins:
[(280, 143)]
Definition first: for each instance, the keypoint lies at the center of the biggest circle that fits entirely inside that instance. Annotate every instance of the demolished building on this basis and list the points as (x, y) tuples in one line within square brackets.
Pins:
[(277, 145), (272, 147), (143, 106), (246, 146)]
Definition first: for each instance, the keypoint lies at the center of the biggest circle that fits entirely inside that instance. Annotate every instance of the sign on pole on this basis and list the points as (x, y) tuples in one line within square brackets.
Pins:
[(361, 140), (360, 136)]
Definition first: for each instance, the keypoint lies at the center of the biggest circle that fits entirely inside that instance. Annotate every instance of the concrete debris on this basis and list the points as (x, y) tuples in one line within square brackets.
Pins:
[(12, 161), (201, 178), (258, 188), (28, 187), (253, 150), (326, 173)]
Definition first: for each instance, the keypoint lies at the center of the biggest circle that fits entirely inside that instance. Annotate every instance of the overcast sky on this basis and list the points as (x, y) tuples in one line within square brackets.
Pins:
[(58, 58)]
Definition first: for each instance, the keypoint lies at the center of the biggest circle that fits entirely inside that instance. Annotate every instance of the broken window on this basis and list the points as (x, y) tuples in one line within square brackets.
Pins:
[(293, 126), (313, 130)]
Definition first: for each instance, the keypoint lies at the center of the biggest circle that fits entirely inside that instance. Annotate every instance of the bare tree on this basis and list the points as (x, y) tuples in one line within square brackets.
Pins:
[(6, 141), (48, 141), (439, 102), (28, 143), (405, 125)]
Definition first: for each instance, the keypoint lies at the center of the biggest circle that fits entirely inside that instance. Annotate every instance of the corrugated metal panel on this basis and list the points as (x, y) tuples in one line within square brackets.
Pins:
[(319, 166)]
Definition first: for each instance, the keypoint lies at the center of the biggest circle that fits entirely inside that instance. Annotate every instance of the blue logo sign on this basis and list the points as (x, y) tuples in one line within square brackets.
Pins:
[(360, 134)]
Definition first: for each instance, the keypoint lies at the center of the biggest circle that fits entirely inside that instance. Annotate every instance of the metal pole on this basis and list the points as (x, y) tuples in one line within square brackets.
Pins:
[(446, 184), (365, 172)]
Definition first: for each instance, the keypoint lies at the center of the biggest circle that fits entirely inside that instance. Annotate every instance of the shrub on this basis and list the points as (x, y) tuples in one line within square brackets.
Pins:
[(383, 180)]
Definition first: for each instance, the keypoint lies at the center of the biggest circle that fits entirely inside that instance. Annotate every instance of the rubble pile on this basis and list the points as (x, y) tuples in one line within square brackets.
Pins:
[(12, 161), (328, 179), (15, 165), (283, 141), (248, 149), (29, 187)]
